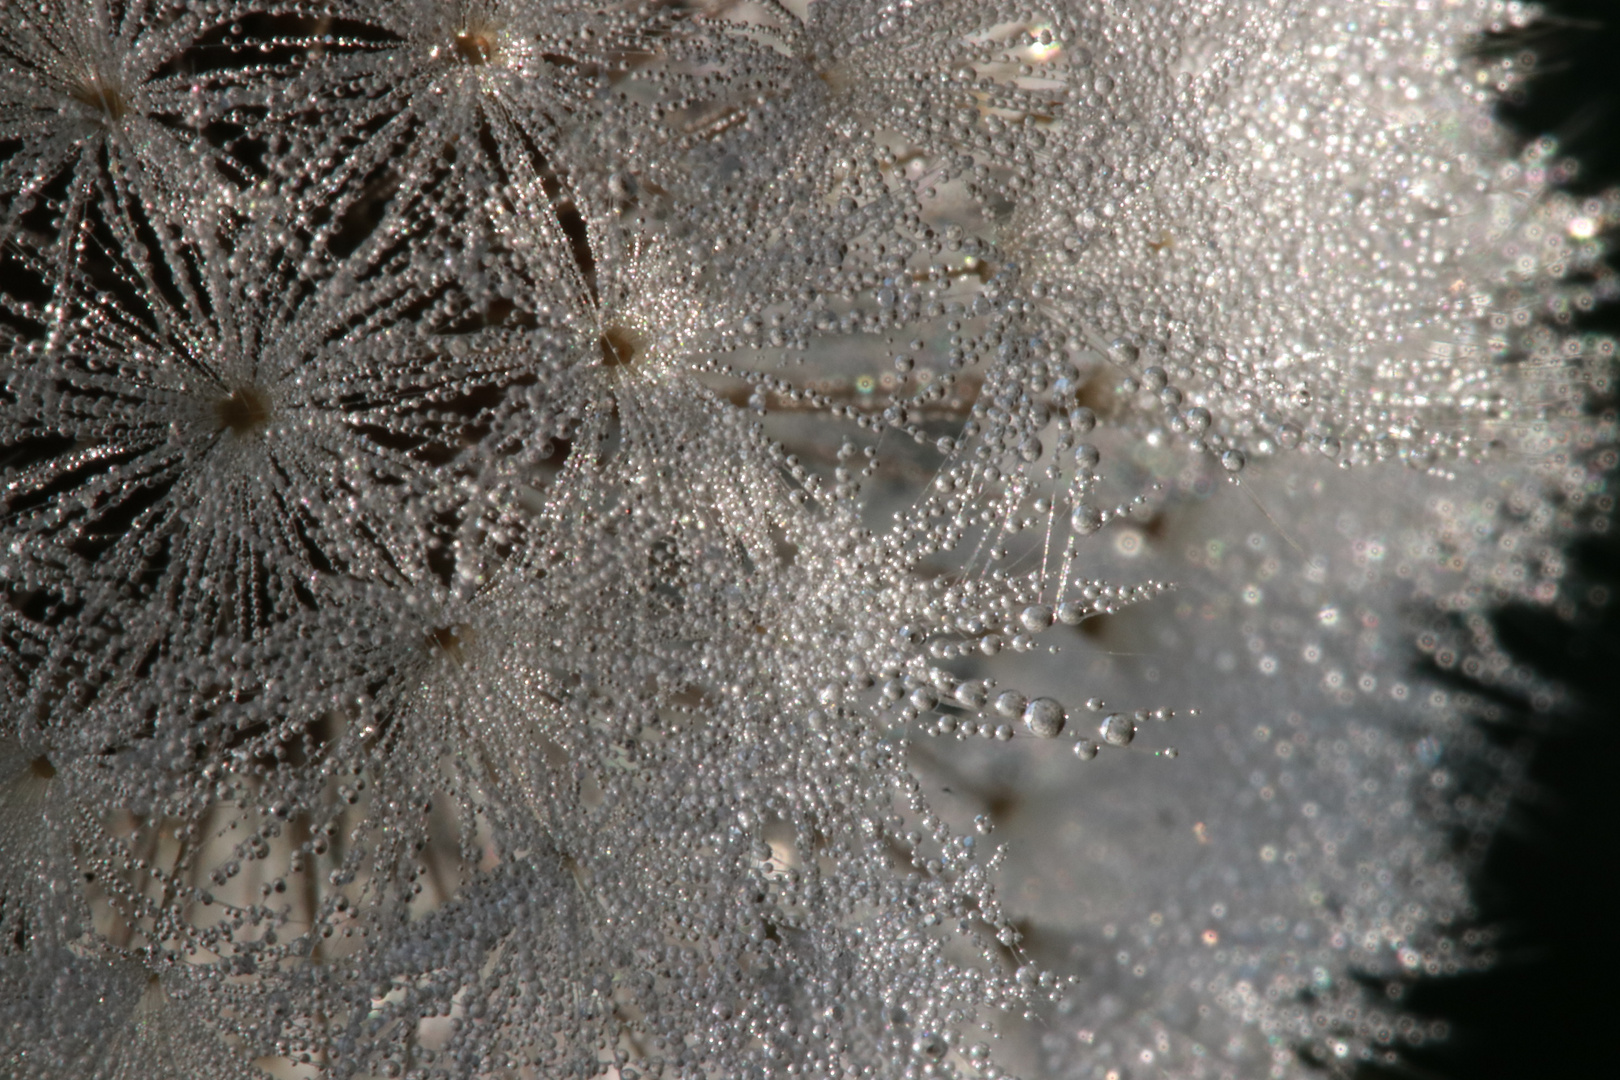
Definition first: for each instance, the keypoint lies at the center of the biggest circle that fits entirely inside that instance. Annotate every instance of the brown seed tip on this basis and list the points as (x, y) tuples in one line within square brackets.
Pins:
[(620, 346), (243, 412), (837, 78), (475, 46), (451, 641), (92, 91), (42, 767)]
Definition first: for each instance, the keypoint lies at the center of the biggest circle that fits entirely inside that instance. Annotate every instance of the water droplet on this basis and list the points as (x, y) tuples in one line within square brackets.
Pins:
[(1010, 703), (1036, 617), (1085, 519), (972, 694), (1045, 717), (1117, 729)]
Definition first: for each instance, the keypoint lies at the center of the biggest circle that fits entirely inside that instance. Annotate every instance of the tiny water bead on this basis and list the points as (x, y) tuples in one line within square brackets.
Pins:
[(1086, 519), (1117, 729), (1010, 703), (973, 694), (1035, 618), (1045, 717)]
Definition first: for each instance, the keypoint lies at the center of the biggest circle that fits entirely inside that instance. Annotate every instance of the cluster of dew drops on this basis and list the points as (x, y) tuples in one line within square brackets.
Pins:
[(493, 488)]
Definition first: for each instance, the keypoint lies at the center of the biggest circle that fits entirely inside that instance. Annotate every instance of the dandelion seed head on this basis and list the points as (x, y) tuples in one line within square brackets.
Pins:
[(574, 538)]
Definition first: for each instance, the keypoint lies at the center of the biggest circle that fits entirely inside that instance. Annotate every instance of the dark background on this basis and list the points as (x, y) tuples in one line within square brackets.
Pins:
[(1550, 1007)]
